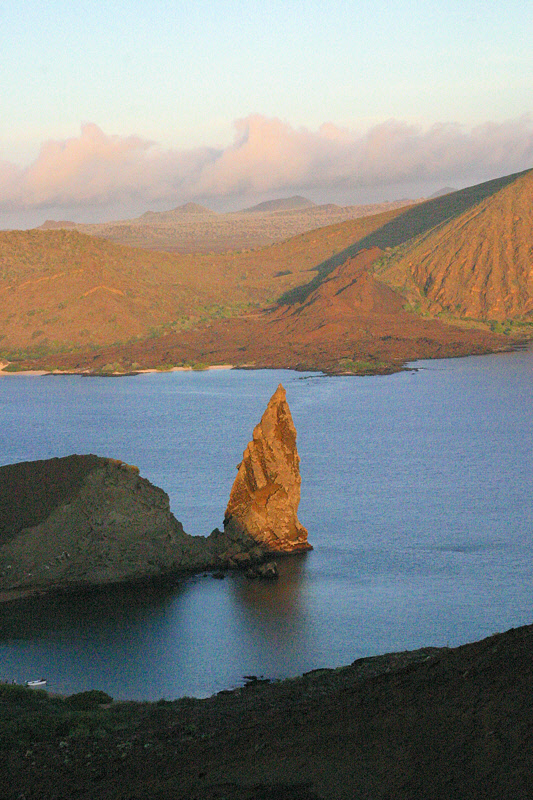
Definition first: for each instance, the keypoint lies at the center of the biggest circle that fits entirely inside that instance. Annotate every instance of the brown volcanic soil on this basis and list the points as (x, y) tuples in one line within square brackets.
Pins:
[(479, 265), (415, 221), (445, 724), (62, 289), (350, 323), (349, 316), (346, 312)]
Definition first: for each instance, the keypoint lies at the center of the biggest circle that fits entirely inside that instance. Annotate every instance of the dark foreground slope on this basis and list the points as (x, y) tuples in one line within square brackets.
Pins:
[(438, 723)]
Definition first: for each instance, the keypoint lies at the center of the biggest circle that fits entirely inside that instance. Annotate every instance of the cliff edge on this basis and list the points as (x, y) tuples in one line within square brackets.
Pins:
[(84, 520)]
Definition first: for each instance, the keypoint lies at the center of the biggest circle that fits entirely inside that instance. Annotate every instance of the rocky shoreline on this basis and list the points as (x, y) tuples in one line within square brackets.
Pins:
[(83, 521), (443, 723)]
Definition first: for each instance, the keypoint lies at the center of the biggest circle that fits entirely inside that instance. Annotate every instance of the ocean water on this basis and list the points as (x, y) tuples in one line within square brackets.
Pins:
[(416, 490)]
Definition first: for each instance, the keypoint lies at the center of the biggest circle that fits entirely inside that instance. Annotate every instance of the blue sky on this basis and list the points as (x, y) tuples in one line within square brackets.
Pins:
[(180, 74)]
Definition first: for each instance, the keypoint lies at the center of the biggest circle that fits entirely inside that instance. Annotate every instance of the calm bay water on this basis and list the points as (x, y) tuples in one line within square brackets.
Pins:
[(416, 490)]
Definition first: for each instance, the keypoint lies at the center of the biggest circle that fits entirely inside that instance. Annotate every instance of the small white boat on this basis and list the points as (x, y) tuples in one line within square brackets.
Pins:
[(36, 684)]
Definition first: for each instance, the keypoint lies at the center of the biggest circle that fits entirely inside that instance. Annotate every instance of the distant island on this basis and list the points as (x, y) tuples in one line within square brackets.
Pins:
[(441, 192), (281, 204), (195, 228), (176, 214)]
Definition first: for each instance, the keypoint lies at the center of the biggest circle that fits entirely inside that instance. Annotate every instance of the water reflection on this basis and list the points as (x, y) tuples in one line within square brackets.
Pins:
[(109, 607), (415, 493), (273, 623), (197, 636), (279, 599)]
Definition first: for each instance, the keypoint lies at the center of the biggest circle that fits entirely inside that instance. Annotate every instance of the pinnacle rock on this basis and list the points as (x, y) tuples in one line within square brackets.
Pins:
[(265, 496)]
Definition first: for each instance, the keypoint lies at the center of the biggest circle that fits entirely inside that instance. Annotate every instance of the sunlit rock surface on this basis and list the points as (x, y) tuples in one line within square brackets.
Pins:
[(265, 496)]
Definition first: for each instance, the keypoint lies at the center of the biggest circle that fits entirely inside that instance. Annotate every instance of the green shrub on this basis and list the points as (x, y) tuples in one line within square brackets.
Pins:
[(360, 367), (87, 701), (14, 367)]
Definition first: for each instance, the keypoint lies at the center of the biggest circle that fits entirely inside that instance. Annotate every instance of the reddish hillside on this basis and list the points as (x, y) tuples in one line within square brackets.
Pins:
[(63, 289), (351, 323), (350, 317), (341, 291), (478, 265)]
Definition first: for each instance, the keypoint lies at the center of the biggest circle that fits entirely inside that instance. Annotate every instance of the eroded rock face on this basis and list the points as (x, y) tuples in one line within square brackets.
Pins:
[(84, 520), (265, 496)]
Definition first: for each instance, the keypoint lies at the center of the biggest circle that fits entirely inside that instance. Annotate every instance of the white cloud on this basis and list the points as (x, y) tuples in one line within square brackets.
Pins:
[(266, 156)]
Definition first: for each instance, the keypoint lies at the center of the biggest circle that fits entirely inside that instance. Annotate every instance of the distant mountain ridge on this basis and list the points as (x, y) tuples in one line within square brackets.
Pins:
[(56, 224), (179, 211), (281, 204), (192, 228)]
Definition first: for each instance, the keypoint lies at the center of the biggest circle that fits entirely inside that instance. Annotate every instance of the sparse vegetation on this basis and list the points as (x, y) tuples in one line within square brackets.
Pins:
[(88, 700), (161, 309), (238, 233), (14, 366), (362, 367), (151, 293)]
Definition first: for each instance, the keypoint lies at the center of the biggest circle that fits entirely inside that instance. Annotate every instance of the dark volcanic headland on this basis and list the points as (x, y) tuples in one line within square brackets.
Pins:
[(83, 521)]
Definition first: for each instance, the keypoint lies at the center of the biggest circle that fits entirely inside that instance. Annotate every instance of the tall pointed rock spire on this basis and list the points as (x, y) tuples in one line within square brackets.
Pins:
[(264, 499)]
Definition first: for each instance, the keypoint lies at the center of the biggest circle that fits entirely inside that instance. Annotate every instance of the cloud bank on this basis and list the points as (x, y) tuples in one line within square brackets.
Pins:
[(267, 156)]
